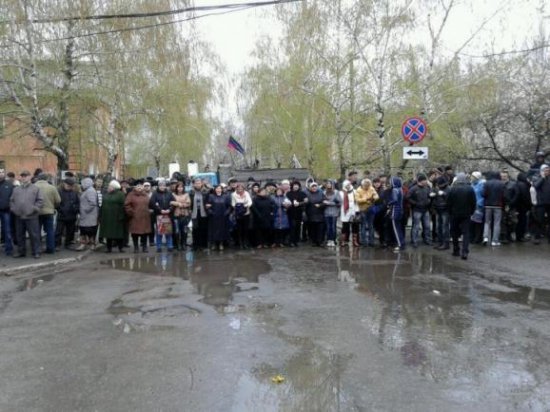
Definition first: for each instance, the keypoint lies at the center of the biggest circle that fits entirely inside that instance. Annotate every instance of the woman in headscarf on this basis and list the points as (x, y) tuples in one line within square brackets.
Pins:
[(160, 203), (89, 213), (218, 206), (137, 209), (241, 203), (112, 217), (349, 214), (298, 201), (182, 215), (280, 217), (262, 210)]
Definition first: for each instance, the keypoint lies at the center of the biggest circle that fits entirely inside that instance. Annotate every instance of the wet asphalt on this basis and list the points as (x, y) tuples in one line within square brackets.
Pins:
[(343, 330)]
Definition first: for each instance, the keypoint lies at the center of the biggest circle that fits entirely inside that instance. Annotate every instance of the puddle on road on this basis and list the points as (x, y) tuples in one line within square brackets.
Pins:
[(447, 321), (216, 280), (31, 283)]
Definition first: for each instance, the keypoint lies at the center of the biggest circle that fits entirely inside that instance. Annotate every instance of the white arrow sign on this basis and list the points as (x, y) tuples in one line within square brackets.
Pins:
[(415, 153)]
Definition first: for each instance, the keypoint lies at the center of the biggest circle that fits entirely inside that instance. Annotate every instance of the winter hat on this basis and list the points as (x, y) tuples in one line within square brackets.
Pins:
[(69, 180), (86, 183), (461, 178), (114, 184), (476, 175), (421, 177), (285, 182), (544, 167)]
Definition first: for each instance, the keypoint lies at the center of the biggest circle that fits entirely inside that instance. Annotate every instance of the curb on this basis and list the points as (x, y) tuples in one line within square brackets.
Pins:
[(41, 265)]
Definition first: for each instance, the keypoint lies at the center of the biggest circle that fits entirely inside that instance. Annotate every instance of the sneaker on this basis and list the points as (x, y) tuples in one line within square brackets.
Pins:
[(495, 243), (485, 241)]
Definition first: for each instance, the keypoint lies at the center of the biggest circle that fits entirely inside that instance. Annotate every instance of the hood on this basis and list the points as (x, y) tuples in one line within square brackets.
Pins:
[(522, 177), (86, 183), (396, 182), (461, 179)]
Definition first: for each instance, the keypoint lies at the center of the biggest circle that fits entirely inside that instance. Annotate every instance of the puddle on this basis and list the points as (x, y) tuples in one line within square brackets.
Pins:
[(312, 382), (29, 284), (216, 281)]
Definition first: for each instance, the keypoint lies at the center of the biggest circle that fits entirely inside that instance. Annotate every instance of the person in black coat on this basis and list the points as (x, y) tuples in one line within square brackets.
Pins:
[(67, 213), (298, 199), (262, 210), (462, 205), (523, 206), (160, 203), (315, 210), (219, 208)]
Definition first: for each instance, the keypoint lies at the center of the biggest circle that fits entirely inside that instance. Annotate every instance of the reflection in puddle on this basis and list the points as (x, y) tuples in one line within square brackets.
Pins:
[(450, 323), (312, 382), (29, 284), (217, 280)]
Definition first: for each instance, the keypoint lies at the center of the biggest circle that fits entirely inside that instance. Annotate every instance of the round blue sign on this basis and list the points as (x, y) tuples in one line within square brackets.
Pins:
[(414, 129)]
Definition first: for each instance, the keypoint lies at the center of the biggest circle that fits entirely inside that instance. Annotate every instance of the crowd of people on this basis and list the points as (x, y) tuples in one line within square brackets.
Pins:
[(446, 210)]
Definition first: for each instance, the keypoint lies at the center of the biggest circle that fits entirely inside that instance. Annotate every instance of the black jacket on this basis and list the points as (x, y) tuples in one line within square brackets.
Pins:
[(419, 198), (524, 197), (295, 212), (440, 201), (6, 189), (542, 185), (315, 213), (493, 192), (69, 206), (461, 200), (511, 194), (161, 201), (262, 209)]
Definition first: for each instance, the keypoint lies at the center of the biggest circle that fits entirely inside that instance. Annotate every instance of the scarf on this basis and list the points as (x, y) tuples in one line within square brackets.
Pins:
[(198, 206), (346, 201)]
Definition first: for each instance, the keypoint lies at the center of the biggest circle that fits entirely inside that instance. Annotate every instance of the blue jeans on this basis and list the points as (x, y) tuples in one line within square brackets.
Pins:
[(169, 243), (5, 220), (330, 222), (46, 222), (421, 217), (493, 216), (443, 228), (367, 228)]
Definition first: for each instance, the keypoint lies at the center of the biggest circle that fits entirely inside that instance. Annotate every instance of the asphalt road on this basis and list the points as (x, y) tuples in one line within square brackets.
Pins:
[(343, 331)]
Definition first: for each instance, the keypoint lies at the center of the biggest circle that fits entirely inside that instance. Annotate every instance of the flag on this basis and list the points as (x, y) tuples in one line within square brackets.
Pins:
[(234, 145)]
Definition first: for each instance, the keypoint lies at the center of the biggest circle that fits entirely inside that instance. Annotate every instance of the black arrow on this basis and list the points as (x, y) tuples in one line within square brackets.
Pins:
[(412, 152)]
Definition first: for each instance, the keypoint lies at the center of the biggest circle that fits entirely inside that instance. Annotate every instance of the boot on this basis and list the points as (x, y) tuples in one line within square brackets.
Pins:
[(344, 238), (444, 246), (355, 240), (144, 247), (136, 248), (83, 242)]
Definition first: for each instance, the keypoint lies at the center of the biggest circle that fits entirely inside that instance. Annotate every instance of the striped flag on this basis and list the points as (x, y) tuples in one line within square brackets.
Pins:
[(234, 145)]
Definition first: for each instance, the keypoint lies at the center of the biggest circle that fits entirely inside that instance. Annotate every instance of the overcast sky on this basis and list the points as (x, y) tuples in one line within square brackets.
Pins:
[(233, 35)]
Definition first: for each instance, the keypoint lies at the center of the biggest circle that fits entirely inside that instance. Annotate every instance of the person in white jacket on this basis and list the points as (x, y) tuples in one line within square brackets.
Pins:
[(241, 203), (349, 215)]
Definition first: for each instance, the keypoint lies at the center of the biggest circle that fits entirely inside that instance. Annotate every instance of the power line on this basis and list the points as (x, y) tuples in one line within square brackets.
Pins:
[(158, 13), (233, 8)]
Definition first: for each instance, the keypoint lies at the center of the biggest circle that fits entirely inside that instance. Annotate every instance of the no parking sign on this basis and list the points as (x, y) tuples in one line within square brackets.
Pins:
[(414, 129)]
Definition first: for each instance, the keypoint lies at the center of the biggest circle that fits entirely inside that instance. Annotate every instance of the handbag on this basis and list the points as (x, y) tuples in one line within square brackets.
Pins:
[(164, 225)]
